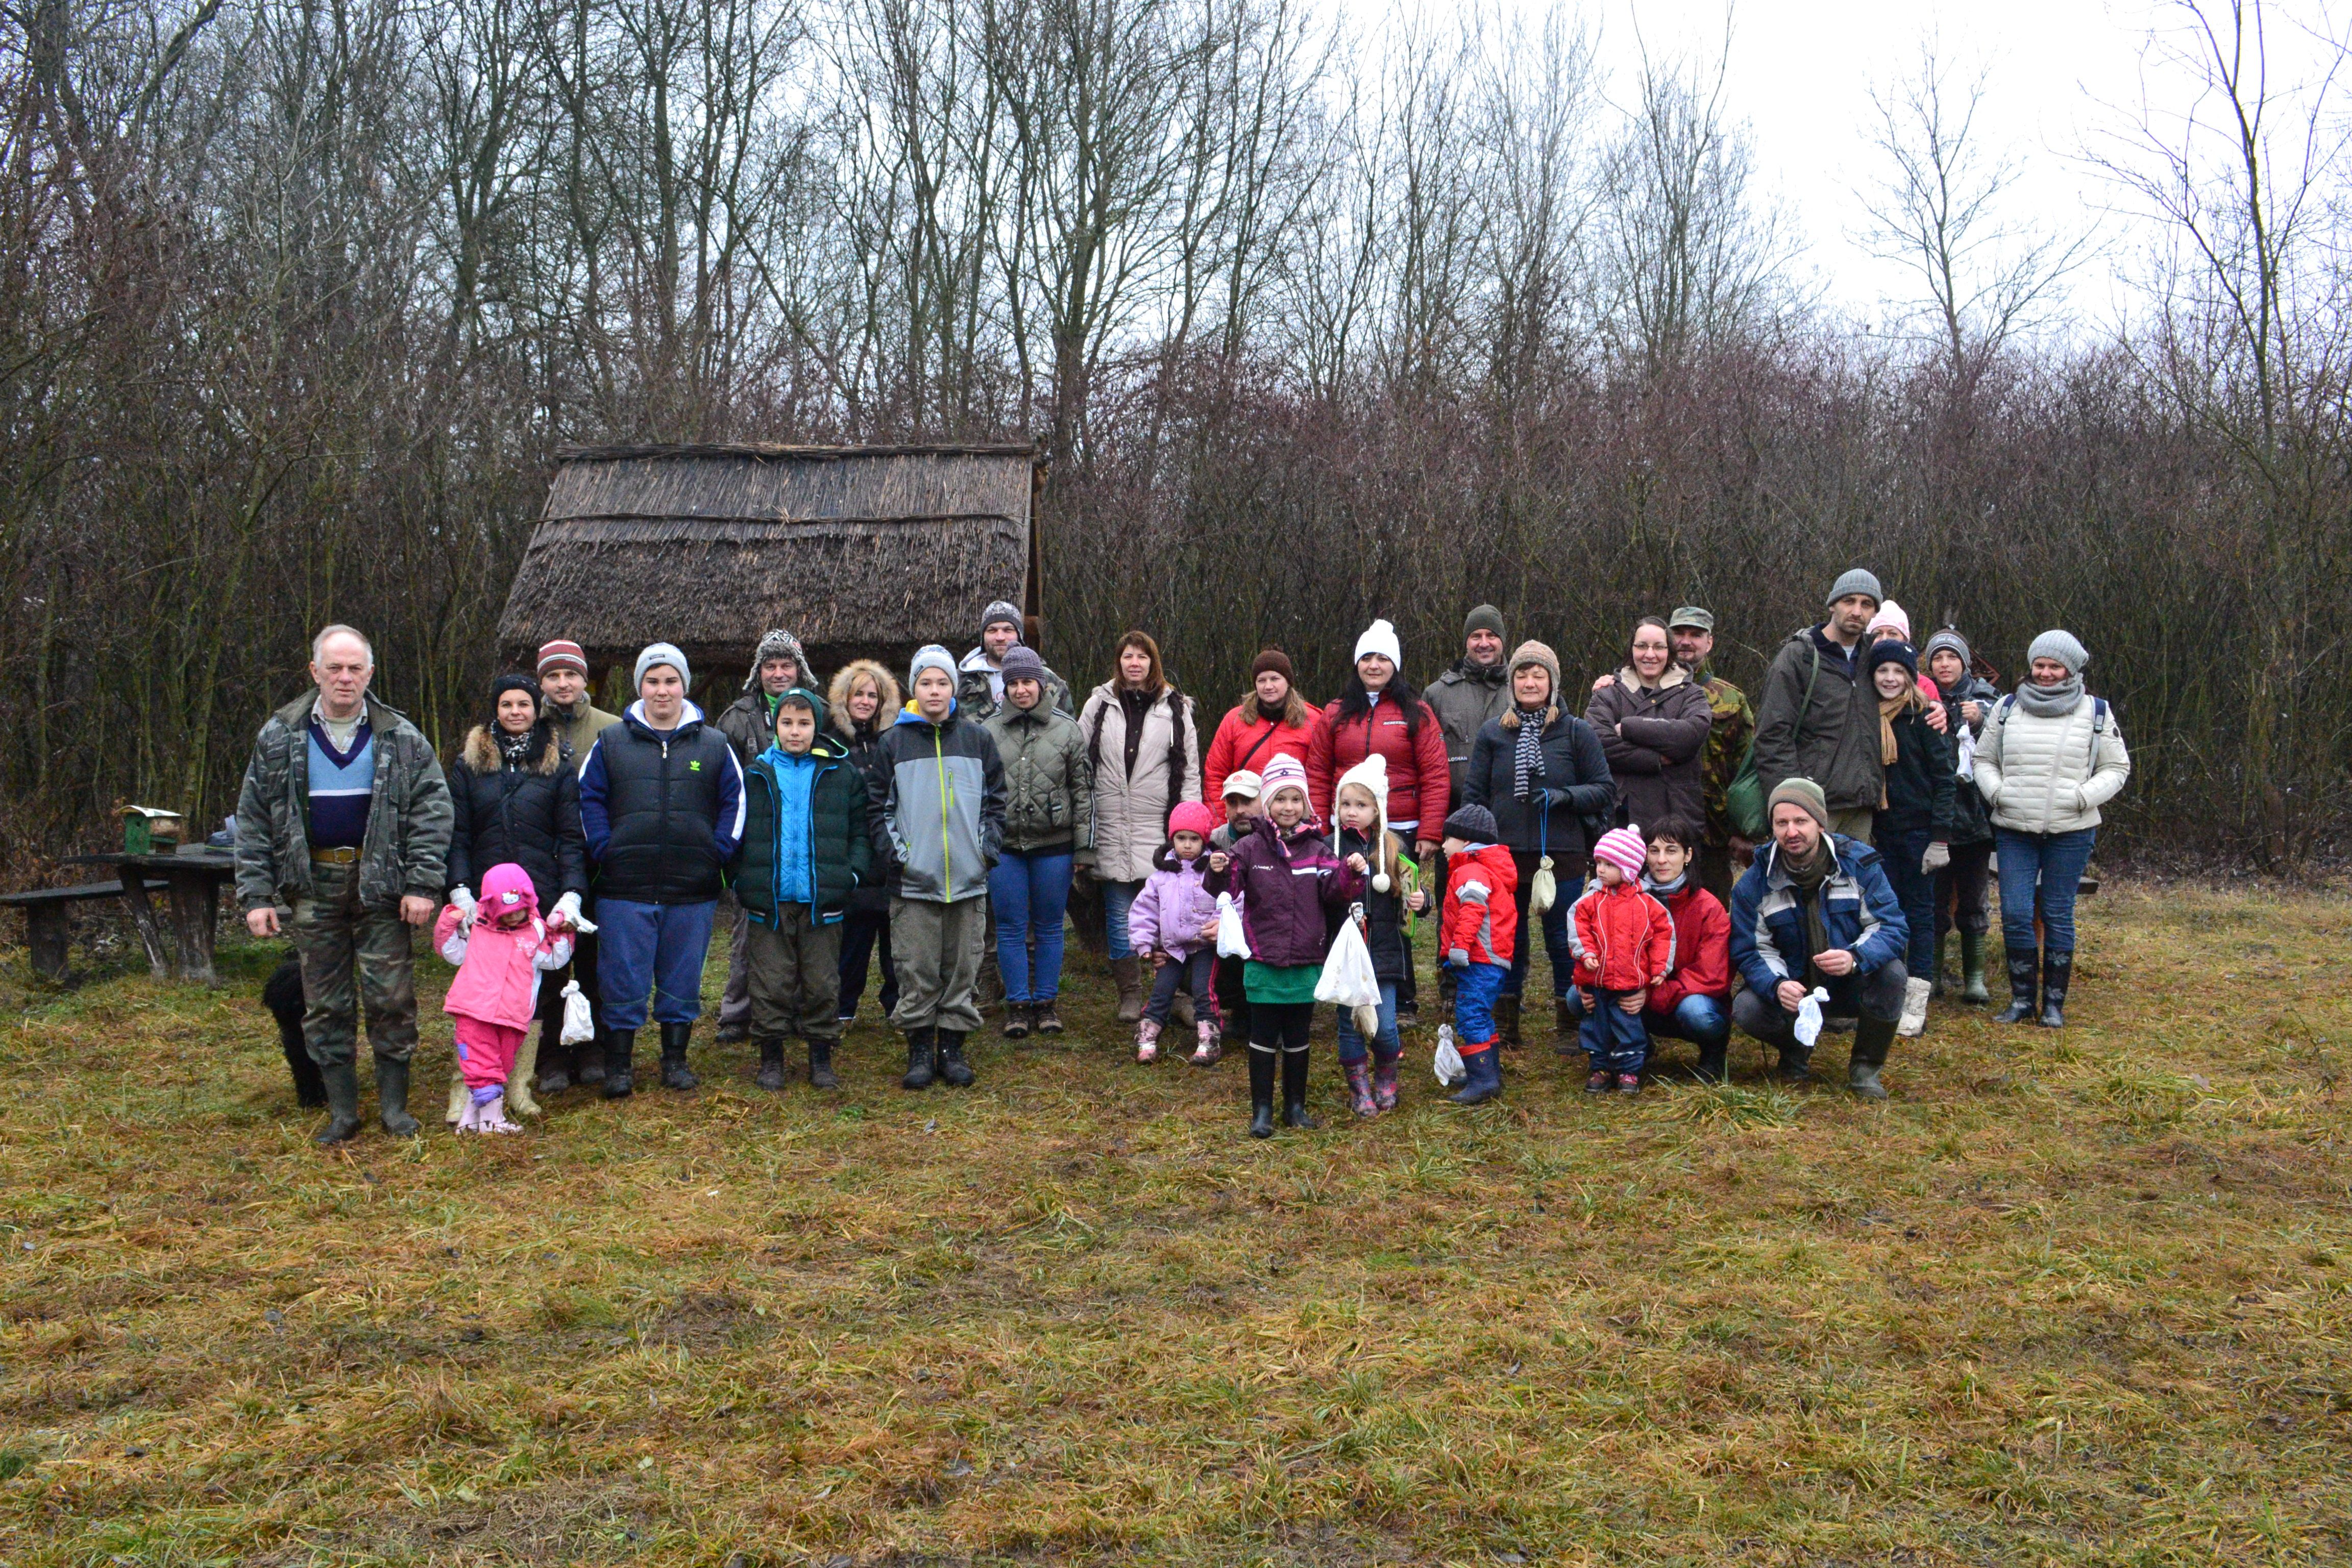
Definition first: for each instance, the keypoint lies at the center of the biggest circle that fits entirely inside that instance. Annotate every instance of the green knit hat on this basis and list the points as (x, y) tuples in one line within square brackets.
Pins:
[(1804, 792)]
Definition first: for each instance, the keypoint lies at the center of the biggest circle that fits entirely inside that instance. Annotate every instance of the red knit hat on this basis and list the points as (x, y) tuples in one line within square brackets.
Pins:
[(1191, 816), (561, 655)]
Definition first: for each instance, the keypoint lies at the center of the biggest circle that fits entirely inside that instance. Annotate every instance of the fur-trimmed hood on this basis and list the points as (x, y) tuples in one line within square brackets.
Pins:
[(837, 697), (480, 753)]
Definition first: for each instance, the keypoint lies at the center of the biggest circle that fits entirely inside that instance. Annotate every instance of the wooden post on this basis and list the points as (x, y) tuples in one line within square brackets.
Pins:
[(46, 934), (195, 910), (151, 931)]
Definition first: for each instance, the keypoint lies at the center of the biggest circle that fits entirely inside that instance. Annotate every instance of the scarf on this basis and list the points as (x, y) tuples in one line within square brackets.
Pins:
[(1664, 890), (1527, 757), (515, 750), (1807, 876), (1483, 674), (2052, 701), (1275, 714)]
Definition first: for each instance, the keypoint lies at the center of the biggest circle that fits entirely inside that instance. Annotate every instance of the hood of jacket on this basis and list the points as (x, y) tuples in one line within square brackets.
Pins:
[(481, 752), (689, 719)]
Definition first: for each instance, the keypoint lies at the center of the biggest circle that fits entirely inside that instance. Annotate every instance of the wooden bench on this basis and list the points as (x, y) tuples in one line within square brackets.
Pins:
[(46, 931)]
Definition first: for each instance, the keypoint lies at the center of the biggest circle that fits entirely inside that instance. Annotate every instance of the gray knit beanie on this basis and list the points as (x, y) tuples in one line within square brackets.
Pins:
[(2061, 646), (1857, 581), (930, 656), (661, 653), (1000, 610), (1800, 791), (1949, 637), (1485, 618), (1021, 663), (780, 643)]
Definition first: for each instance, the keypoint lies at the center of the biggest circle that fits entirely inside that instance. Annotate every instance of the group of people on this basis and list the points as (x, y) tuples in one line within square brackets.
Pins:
[(1693, 862)]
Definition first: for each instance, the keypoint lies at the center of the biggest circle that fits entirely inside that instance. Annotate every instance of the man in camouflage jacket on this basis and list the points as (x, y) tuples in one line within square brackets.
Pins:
[(1724, 852)]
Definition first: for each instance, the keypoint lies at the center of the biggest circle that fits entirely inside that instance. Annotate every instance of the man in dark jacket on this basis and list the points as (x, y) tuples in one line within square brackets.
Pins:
[(807, 844), (344, 819), (1818, 718), (778, 665), (980, 678), (661, 799)]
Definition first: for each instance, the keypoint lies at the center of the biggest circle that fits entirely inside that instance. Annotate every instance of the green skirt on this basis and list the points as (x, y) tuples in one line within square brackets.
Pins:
[(1279, 985)]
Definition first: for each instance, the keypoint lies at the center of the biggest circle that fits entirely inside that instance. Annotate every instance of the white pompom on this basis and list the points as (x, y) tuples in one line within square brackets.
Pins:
[(1379, 881)]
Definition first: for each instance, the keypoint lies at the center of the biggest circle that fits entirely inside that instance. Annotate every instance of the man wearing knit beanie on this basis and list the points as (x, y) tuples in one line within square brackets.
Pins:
[(576, 721), (980, 677), (1818, 717)]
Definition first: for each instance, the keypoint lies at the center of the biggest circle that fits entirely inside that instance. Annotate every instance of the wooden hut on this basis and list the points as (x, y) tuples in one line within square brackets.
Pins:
[(859, 551)]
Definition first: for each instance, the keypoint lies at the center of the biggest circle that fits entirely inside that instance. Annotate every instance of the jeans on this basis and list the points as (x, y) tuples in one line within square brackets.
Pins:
[(1961, 884), (1568, 874), (1613, 1038), (862, 931), (1118, 899), (652, 947), (1915, 890), (1032, 897), (1702, 1020), (1386, 1045), (2044, 864), (1878, 995), (1191, 975), (1474, 991)]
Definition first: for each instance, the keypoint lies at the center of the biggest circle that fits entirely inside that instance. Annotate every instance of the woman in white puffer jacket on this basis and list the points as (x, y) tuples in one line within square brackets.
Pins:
[(2051, 756)]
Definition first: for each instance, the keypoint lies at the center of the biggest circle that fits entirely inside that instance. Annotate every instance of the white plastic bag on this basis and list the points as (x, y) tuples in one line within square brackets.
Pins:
[(579, 1024), (1233, 941), (1544, 890), (1966, 772), (1349, 978), (1809, 1018), (1448, 1063)]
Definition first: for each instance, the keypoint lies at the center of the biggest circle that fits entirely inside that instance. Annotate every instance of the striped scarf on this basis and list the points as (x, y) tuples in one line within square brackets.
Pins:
[(1527, 757)]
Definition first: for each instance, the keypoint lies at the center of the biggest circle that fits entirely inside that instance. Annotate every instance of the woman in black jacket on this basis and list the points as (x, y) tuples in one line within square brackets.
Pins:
[(1541, 771), (515, 788), (862, 702)]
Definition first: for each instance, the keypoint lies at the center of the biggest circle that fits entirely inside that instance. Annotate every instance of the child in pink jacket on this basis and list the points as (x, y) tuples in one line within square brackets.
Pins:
[(500, 950)]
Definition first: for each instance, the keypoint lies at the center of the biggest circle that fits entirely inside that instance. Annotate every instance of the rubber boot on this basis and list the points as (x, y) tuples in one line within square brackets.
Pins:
[(588, 1063), (921, 1064), (1294, 1091), (518, 1081), (1563, 1023), (2024, 966), (1147, 1041), (1506, 1022), (675, 1073), (620, 1067), (1385, 1084), (1486, 1076), (821, 1065), (461, 1100), (392, 1098), (555, 1076), (1914, 1022), (1935, 980), (771, 1073), (490, 1116), (1871, 1038), (1124, 972), (1796, 1064), (1261, 1091), (2057, 970), (952, 1066), (1359, 1087), (1210, 1046), (1714, 1063), (342, 1081), (1972, 970)]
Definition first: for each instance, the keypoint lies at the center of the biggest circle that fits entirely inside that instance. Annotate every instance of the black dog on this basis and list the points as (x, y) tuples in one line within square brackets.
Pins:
[(282, 994)]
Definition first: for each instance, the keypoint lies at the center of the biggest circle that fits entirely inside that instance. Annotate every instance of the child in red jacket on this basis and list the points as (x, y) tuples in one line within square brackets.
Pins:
[(1482, 930), (1624, 944), (1694, 1001)]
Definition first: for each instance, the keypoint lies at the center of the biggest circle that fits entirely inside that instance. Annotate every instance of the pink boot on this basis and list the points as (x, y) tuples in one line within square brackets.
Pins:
[(490, 1116), (1385, 1084), (1360, 1088), (1211, 1045), (1147, 1041)]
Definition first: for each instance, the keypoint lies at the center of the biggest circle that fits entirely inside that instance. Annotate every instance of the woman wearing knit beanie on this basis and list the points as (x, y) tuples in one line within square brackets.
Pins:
[(1270, 720), (2051, 756), (1913, 829), (1967, 701)]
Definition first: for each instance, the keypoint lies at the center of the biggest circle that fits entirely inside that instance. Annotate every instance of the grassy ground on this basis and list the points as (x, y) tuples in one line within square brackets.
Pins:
[(2074, 1297)]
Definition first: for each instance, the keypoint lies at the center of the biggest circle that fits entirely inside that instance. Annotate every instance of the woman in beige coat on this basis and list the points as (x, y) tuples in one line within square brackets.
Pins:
[(1144, 754)]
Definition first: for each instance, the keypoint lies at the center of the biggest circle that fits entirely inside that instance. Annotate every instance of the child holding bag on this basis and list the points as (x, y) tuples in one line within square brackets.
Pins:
[(502, 948), (1361, 805), (1482, 933)]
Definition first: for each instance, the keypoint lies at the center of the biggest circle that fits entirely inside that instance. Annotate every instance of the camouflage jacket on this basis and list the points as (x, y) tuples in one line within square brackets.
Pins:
[(410, 817), (1727, 748)]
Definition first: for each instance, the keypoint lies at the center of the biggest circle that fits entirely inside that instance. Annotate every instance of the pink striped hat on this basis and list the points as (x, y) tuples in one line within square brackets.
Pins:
[(1623, 847)]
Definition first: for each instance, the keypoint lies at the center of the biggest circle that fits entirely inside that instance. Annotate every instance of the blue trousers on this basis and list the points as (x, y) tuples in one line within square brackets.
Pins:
[(651, 947), (1474, 991), (2044, 870), (1702, 1020), (1915, 890), (1118, 899), (1032, 897), (1614, 1039), (1385, 1045)]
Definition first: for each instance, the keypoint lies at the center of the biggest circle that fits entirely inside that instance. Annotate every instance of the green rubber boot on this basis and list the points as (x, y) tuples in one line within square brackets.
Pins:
[(1972, 970)]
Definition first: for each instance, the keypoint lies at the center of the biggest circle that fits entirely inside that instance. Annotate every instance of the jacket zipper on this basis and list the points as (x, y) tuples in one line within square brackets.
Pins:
[(947, 806)]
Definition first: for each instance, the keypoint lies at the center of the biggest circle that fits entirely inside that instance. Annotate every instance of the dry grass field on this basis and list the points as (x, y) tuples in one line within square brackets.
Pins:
[(2067, 1298)]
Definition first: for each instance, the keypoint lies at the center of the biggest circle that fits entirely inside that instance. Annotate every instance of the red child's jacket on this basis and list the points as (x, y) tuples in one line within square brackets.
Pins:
[(1701, 948), (1623, 938), (1482, 910)]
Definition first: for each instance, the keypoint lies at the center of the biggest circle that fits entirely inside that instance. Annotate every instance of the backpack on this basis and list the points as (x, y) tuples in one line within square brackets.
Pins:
[(2098, 722), (1743, 798)]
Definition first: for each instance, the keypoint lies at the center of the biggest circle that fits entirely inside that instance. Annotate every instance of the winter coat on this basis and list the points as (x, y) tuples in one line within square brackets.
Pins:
[(1919, 784), (808, 833), (979, 692), (1482, 904), (750, 724), (529, 816), (1247, 739), (1465, 699), (1831, 738), (663, 813), (579, 728), (498, 969), (1859, 913), (942, 816), (1971, 824), (1049, 795), (1418, 777), (2051, 775), (863, 742), (1727, 739), (406, 851), (1577, 785), (1174, 907), (1286, 885), (1130, 810), (1623, 938), (1702, 965), (1384, 914), (1655, 740)]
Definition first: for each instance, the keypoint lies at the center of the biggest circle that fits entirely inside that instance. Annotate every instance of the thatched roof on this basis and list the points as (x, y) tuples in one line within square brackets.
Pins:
[(707, 546)]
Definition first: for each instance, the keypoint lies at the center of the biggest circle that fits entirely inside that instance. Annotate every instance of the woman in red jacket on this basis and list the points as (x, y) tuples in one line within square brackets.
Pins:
[(1380, 712), (1271, 721)]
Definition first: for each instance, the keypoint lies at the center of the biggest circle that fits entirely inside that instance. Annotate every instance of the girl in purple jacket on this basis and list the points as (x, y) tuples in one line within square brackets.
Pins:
[(1289, 879), (1173, 929)]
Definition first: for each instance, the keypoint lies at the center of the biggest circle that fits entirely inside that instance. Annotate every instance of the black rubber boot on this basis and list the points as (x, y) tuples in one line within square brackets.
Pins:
[(771, 1074), (1796, 1064), (1936, 984), (1872, 1036), (588, 1062), (342, 1081), (2057, 970), (1714, 1063), (620, 1066), (952, 1066), (392, 1098), (2024, 963), (554, 1067), (1972, 967), (675, 1074), (921, 1066), (1294, 1091), (1261, 1092), (821, 1065)]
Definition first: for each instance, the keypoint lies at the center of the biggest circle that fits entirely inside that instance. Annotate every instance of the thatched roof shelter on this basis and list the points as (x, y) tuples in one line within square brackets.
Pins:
[(857, 550)]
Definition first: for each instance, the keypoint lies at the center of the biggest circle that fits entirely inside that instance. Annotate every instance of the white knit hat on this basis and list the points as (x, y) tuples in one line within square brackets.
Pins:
[(1381, 638), (1373, 773)]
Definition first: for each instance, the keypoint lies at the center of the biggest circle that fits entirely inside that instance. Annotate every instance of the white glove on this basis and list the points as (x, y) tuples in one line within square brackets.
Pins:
[(464, 901), (1938, 855), (1459, 957), (566, 911)]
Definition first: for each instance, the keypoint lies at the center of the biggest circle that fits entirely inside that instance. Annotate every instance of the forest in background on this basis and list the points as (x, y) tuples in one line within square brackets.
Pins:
[(302, 296)]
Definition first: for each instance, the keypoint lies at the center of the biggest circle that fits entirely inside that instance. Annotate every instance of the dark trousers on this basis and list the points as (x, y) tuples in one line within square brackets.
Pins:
[(581, 968), (862, 932), (1280, 1026), (1878, 995), (1900, 853), (1960, 891), (1191, 975), (1614, 1039), (1568, 875)]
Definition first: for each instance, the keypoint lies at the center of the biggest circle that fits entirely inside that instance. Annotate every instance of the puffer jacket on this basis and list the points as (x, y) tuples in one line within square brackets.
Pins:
[(1831, 738), (1418, 775), (1919, 783), (1465, 699), (498, 968), (1623, 938), (406, 852), (1702, 947), (529, 816), (1287, 887), (2051, 775), (1482, 907), (1130, 811), (1049, 797), (1174, 906), (1859, 913), (1247, 739), (808, 833), (662, 812), (1655, 740), (1971, 824), (942, 816), (977, 689), (1577, 786)]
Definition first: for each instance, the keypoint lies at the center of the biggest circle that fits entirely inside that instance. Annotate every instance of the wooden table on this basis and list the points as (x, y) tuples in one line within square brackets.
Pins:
[(46, 933), (192, 882)]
